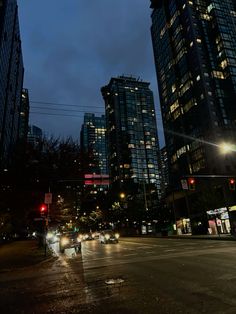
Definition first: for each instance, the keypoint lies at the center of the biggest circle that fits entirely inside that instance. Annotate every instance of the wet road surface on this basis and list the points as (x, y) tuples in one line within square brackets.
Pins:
[(154, 276)]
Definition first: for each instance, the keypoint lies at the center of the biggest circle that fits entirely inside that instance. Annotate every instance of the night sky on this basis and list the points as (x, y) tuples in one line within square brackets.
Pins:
[(71, 48)]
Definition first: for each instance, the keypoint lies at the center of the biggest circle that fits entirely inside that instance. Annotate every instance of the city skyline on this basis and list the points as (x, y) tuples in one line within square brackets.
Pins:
[(61, 70)]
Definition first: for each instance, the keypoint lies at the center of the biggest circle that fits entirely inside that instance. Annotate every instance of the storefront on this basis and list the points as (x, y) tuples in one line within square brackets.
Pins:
[(183, 226), (218, 221)]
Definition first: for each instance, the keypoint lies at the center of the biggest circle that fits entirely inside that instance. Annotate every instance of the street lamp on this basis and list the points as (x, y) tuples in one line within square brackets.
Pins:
[(226, 148), (122, 195)]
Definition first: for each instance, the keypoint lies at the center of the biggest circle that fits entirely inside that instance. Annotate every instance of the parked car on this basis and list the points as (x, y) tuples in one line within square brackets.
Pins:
[(109, 236), (70, 240)]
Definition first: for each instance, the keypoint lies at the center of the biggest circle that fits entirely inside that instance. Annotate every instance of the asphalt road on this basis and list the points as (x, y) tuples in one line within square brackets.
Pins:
[(137, 275)]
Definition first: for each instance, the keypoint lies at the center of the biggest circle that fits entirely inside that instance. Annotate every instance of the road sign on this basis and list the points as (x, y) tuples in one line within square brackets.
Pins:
[(184, 184), (48, 198)]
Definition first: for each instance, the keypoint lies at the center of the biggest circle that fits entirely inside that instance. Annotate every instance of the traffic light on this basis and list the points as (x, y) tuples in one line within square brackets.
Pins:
[(43, 210), (191, 184), (232, 184)]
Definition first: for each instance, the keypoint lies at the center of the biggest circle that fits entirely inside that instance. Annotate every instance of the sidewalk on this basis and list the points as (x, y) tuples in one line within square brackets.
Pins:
[(222, 237), (20, 254)]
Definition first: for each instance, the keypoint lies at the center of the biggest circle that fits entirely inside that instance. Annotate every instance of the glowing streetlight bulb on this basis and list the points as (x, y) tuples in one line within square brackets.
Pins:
[(226, 148), (122, 195)]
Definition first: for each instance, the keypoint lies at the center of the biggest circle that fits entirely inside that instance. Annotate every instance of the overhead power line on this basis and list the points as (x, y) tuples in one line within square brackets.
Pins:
[(63, 104), (80, 111)]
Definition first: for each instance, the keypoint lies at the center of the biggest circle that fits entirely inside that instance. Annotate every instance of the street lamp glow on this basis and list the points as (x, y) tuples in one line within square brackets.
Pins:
[(122, 195), (226, 148)]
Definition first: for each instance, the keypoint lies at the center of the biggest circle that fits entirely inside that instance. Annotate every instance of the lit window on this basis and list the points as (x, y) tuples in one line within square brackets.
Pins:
[(174, 106), (224, 64), (218, 74)]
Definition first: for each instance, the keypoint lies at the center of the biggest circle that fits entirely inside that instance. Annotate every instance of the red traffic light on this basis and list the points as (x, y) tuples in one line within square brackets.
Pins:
[(43, 209), (232, 184), (191, 184)]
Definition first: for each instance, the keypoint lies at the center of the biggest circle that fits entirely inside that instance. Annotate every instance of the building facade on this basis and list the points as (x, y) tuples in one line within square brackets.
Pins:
[(93, 141), (24, 116), (133, 146), (194, 45), (164, 171), (11, 79), (35, 136)]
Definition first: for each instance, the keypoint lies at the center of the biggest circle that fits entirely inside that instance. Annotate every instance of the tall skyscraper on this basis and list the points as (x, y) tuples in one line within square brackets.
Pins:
[(194, 46), (93, 142), (11, 79), (164, 171), (35, 136), (133, 145)]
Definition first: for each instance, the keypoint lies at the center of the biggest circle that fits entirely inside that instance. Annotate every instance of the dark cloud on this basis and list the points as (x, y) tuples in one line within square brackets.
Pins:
[(73, 47)]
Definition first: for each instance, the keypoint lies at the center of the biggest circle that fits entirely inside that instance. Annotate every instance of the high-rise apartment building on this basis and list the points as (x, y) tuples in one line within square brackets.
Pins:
[(11, 79), (93, 142), (133, 147), (164, 171), (195, 54), (35, 136), (194, 45)]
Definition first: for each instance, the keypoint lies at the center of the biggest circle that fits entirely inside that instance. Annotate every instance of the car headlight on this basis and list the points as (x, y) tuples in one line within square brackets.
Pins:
[(78, 239), (64, 241), (93, 235), (117, 235), (107, 236), (49, 235)]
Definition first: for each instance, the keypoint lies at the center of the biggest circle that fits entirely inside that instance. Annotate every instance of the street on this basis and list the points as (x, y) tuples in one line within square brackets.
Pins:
[(137, 275)]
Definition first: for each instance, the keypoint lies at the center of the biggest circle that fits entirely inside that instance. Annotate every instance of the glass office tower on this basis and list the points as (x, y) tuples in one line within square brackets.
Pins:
[(195, 55), (93, 140), (11, 79), (194, 43), (133, 146)]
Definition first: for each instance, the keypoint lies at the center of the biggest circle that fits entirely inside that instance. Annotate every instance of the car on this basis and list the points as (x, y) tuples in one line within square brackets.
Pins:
[(108, 236), (89, 236), (69, 240)]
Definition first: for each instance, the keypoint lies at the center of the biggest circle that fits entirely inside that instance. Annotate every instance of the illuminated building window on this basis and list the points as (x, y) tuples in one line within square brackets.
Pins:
[(126, 166), (224, 64), (218, 74), (205, 17), (174, 106)]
